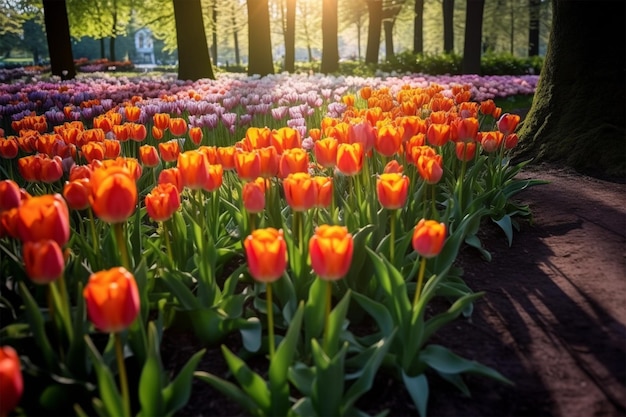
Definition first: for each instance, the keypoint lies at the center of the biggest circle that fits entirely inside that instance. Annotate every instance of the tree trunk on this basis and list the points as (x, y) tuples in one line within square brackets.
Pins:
[(418, 27), (102, 49), (194, 61), (290, 37), (214, 31), (112, 48), (577, 115), (330, 45), (473, 36), (112, 56), (259, 38), (388, 28), (235, 35), (375, 10), (58, 36), (448, 26), (533, 27)]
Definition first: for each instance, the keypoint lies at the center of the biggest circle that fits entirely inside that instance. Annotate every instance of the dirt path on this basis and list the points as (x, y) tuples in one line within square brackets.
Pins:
[(553, 319)]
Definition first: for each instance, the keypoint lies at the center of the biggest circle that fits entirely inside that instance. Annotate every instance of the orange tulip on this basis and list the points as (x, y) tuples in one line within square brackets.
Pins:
[(195, 134), (388, 139), (149, 156), (162, 202), (508, 123), (8, 148), (490, 141), (430, 168), (137, 131), (323, 191), (488, 107), (393, 166), (428, 238), (93, 151), (121, 132), (169, 150), (253, 196), (226, 157), (292, 161), (172, 176), (269, 161), (248, 165), (112, 148), (11, 380), (215, 178), (161, 121), (438, 134), (80, 171), (43, 261), (178, 126), (194, 169), (157, 133), (90, 135), (325, 151), (257, 137), (266, 253), (285, 138), (113, 195), (299, 191), (465, 151), (414, 142), (464, 129), (510, 141), (392, 190), (112, 299), (76, 193), (350, 158), (132, 113), (10, 196), (331, 249), (43, 217), (210, 152)]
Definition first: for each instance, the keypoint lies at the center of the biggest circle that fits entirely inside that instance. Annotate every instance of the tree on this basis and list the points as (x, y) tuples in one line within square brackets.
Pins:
[(418, 27), (34, 38), (354, 13), (375, 10), (577, 114), (330, 46), (448, 26), (194, 61), (533, 27), (473, 36), (260, 59), (290, 36), (391, 9), (58, 36)]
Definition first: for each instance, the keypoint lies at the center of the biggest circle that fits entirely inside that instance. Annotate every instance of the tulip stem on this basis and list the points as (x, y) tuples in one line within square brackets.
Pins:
[(119, 351), (94, 236), (270, 319), (420, 280), (122, 246), (433, 200), (461, 178), (327, 308), (168, 245), (392, 235)]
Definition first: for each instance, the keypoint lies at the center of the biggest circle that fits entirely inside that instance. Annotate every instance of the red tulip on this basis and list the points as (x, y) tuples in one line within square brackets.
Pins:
[(11, 380), (428, 238), (43, 261), (253, 195), (162, 202), (266, 253), (392, 190), (43, 217), (113, 193), (331, 249)]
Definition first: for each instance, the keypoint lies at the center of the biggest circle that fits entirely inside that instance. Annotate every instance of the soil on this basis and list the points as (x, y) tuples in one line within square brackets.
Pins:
[(552, 320)]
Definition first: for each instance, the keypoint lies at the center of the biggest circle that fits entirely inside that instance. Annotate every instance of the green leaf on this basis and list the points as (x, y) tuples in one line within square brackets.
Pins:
[(38, 326), (314, 310), (377, 311), (441, 319), (417, 386), (335, 324), (474, 242), (111, 398), (232, 391), (506, 226), (279, 366), (180, 291), (150, 388), (177, 393), (443, 360), (251, 382), (329, 380), (251, 333), (302, 377)]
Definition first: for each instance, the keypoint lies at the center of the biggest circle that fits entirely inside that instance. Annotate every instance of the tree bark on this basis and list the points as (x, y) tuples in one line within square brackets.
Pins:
[(448, 26), (194, 61), (577, 115), (260, 59), (375, 10), (330, 43), (533, 27), (473, 36), (290, 36), (58, 36), (418, 27), (388, 29), (214, 31)]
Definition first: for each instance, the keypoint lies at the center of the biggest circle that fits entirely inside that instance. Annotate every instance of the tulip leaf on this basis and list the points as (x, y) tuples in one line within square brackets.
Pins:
[(443, 360), (368, 371), (251, 382), (177, 393), (377, 311), (231, 390), (417, 386), (439, 320), (474, 241), (302, 377), (336, 324), (182, 293), (38, 326), (314, 310), (150, 388), (304, 407), (506, 226), (251, 333), (279, 366), (329, 379), (111, 398)]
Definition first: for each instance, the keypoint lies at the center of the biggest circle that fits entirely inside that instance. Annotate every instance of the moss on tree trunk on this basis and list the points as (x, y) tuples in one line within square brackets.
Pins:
[(577, 115)]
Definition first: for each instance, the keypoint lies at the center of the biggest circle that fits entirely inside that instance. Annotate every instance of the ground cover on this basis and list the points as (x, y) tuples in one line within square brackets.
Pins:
[(405, 149)]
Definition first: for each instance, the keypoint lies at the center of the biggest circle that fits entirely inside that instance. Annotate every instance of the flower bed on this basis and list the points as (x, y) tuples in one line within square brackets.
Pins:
[(283, 209)]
